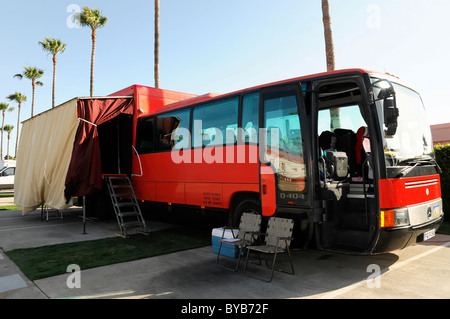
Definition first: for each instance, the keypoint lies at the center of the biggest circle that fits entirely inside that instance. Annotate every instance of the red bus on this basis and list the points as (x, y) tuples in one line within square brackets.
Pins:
[(346, 154)]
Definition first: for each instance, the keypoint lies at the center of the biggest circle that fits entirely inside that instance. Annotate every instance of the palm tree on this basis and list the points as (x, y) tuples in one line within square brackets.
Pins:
[(94, 20), (32, 73), (3, 108), (19, 98), (157, 44), (8, 128), (53, 46), (329, 50)]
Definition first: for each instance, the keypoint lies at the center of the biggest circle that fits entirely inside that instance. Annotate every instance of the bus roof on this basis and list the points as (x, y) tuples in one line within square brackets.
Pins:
[(210, 96), (175, 100)]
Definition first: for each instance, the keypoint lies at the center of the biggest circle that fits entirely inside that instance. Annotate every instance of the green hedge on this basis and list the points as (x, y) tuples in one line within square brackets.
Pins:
[(443, 159)]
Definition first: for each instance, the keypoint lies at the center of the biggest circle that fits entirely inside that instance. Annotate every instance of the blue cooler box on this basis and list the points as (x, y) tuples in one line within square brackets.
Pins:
[(226, 250)]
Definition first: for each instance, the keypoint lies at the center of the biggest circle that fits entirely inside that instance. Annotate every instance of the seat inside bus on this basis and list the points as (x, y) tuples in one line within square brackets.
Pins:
[(343, 144)]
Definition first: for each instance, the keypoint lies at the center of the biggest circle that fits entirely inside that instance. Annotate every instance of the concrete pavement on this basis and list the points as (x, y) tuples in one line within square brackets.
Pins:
[(417, 272), (421, 271)]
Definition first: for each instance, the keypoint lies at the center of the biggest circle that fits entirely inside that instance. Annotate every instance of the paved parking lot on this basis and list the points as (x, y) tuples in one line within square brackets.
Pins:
[(421, 271)]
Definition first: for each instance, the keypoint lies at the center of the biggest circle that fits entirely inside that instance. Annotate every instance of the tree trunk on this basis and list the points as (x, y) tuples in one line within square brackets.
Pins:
[(156, 43), (329, 50), (329, 46), (18, 123), (54, 81), (7, 151), (3, 128), (94, 35), (33, 85)]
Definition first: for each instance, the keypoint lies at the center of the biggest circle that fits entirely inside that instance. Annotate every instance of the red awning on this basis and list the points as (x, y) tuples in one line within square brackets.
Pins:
[(84, 176)]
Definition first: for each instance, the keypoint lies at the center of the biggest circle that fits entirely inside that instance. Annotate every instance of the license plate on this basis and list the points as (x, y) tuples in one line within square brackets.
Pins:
[(429, 234)]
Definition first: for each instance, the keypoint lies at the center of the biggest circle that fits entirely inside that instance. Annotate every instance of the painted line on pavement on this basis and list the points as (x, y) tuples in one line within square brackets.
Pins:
[(33, 227)]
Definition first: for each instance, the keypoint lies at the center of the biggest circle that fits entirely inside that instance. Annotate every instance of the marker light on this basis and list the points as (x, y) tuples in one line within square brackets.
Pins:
[(387, 218)]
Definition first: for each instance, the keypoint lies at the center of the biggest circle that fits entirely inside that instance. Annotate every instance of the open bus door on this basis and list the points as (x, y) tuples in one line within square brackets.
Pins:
[(346, 174), (285, 186)]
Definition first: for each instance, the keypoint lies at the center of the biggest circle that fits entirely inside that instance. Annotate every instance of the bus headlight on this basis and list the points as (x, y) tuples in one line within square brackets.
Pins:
[(394, 218)]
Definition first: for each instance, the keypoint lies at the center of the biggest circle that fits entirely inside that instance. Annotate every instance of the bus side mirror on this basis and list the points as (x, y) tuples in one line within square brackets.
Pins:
[(387, 95), (386, 91), (391, 114)]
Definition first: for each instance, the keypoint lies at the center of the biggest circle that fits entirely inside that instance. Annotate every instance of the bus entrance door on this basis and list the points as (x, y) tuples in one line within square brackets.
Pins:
[(283, 167)]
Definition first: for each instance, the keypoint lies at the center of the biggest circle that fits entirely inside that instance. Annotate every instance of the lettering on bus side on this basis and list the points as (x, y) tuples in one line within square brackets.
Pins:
[(212, 199)]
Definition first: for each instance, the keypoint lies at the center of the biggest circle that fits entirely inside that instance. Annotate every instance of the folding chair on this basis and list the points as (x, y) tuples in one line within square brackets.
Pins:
[(45, 210), (277, 241), (249, 227)]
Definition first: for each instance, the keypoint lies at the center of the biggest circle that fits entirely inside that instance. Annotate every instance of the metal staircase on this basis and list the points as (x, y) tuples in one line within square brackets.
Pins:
[(125, 205)]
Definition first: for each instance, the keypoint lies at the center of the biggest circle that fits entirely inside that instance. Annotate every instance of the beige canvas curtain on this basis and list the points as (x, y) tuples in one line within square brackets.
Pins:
[(45, 150)]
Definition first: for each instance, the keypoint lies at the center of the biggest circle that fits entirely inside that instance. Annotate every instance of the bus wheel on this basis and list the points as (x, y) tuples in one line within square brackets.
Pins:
[(246, 206)]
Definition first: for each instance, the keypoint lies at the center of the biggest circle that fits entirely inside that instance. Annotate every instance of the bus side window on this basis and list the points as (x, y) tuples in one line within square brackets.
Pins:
[(144, 135), (214, 122), (169, 129), (250, 118)]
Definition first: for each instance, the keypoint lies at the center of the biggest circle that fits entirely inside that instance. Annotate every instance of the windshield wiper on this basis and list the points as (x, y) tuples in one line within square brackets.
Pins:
[(405, 171), (408, 169)]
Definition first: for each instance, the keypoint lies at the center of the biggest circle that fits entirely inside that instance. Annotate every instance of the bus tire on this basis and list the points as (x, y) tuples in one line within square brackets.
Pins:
[(245, 206)]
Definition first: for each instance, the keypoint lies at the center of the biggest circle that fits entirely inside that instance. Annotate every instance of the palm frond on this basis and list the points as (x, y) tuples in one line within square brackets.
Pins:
[(17, 97), (91, 18), (4, 106), (31, 72), (8, 128), (53, 45)]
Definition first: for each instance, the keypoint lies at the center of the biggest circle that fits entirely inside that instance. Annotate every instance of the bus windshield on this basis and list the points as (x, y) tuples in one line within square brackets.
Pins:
[(412, 143)]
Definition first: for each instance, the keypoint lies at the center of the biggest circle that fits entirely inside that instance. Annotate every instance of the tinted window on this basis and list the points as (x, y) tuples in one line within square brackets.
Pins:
[(216, 123), (284, 150), (145, 135), (250, 118), (167, 126)]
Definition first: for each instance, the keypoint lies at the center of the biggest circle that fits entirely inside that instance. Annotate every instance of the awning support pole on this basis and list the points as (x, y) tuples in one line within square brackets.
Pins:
[(84, 215)]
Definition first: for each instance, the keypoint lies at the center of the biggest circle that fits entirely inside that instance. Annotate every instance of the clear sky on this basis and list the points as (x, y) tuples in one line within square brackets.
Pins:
[(222, 46)]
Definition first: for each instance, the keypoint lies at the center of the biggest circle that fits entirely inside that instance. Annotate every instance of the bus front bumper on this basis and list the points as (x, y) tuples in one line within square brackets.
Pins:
[(392, 239)]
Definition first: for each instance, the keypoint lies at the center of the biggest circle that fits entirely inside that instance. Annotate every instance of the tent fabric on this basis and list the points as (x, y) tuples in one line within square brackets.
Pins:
[(45, 150), (84, 172)]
